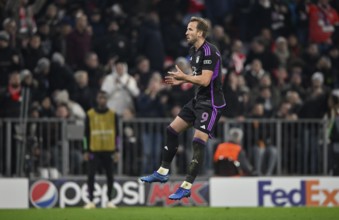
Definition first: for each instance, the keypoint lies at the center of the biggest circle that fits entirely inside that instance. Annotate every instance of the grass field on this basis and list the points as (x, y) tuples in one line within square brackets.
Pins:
[(187, 213)]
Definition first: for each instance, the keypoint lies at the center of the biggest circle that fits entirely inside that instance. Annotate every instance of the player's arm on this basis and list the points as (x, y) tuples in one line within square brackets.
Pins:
[(202, 80)]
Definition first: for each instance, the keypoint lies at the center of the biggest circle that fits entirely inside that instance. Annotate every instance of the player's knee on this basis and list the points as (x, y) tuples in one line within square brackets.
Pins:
[(171, 131)]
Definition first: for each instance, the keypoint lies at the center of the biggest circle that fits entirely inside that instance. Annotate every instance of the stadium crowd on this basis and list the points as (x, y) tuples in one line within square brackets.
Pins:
[(280, 57)]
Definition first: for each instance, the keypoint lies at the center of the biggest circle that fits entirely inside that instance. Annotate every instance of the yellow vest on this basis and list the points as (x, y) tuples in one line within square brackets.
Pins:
[(102, 130)]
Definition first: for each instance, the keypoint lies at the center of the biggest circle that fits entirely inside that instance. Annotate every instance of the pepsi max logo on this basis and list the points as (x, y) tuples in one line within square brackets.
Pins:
[(43, 194)]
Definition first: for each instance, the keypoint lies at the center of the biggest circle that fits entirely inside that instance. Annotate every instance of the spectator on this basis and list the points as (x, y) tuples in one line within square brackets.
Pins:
[(315, 105), (323, 19), (232, 95), (96, 23), (285, 111), (47, 109), (94, 70), (83, 94), (152, 104), (281, 25), (324, 66), (9, 58), (281, 51), (150, 41), (266, 81), (222, 41), (294, 99), (10, 27), (28, 82), (281, 77), (33, 53), (262, 139), (10, 97), (265, 98), (113, 44), (51, 18), (231, 151), (75, 110), (294, 46), (310, 58), (41, 74), (261, 16), (238, 57), (60, 76), (258, 51), (333, 115), (45, 35), (296, 83), (121, 88), (78, 42), (334, 57), (143, 72), (254, 74), (60, 38)]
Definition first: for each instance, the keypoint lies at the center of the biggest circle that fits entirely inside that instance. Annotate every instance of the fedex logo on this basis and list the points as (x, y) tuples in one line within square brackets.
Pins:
[(309, 193)]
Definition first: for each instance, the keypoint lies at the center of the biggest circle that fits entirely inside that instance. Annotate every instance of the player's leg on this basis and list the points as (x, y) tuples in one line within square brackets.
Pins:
[(199, 147), (168, 151), (107, 163), (177, 126), (92, 166), (205, 123)]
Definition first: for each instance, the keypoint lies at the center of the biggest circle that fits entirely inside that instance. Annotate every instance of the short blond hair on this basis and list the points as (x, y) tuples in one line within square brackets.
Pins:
[(202, 25)]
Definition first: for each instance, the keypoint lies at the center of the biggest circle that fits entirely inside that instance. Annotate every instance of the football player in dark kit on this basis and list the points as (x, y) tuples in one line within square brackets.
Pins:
[(202, 112)]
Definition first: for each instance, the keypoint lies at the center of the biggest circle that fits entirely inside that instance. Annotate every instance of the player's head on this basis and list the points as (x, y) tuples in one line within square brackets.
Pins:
[(102, 99), (197, 28)]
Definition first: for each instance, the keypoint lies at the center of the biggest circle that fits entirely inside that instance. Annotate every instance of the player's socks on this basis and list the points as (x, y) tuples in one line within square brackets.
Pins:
[(186, 185), (163, 171), (197, 160), (169, 151)]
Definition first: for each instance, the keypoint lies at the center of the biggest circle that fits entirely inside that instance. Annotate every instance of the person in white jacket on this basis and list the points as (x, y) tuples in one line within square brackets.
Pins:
[(120, 87)]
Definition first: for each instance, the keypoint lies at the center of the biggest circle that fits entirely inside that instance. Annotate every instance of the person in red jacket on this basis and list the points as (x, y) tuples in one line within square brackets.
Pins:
[(322, 21)]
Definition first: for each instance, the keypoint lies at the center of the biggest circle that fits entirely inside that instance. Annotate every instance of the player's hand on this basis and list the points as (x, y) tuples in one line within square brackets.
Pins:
[(178, 75), (86, 156), (170, 80), (116, 157)]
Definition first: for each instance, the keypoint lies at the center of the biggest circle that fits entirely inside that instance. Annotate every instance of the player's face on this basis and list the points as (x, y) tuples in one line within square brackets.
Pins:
[(192, 32)]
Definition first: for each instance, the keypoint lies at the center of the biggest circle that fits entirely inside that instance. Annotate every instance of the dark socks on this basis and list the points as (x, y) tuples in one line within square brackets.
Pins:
[(197, 160), (169, 151)]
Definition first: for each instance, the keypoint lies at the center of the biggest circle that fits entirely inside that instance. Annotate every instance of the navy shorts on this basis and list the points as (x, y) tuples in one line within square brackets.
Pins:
[(201, 115)]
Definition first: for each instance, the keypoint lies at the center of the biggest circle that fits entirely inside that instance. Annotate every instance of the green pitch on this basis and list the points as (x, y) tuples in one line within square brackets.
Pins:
[(186, 213)]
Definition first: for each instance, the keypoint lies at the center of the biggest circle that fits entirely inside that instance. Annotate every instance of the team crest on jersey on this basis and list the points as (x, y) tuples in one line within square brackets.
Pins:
[(197, 59)]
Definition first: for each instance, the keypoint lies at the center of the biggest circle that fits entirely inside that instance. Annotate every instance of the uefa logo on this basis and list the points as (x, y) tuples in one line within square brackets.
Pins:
[(43, 194)]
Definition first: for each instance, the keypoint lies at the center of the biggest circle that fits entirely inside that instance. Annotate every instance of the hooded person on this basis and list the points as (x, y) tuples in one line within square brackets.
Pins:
[(120, 87)]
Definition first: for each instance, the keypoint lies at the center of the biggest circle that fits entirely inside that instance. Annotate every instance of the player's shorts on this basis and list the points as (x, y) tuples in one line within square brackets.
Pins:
[(201, 115)]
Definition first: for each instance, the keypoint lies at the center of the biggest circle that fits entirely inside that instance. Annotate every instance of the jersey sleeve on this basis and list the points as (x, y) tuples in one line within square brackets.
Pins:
[(210, 59)]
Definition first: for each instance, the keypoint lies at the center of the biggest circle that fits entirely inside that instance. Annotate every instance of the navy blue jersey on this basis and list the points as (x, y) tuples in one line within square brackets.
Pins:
[(207, 57)]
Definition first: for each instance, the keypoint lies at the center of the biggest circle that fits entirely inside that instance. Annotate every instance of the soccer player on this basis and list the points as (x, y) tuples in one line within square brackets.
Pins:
[(101, 132), (202, 112)]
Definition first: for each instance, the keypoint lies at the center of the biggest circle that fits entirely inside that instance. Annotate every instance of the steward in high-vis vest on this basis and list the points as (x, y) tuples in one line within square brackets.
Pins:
[(229, 157), (101, 130)]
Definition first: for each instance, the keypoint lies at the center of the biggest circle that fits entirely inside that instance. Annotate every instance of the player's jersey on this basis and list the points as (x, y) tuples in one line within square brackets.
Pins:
[(207, 57)]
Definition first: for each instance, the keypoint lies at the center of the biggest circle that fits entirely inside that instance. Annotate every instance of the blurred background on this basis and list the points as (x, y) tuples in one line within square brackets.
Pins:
[(280, 71)]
